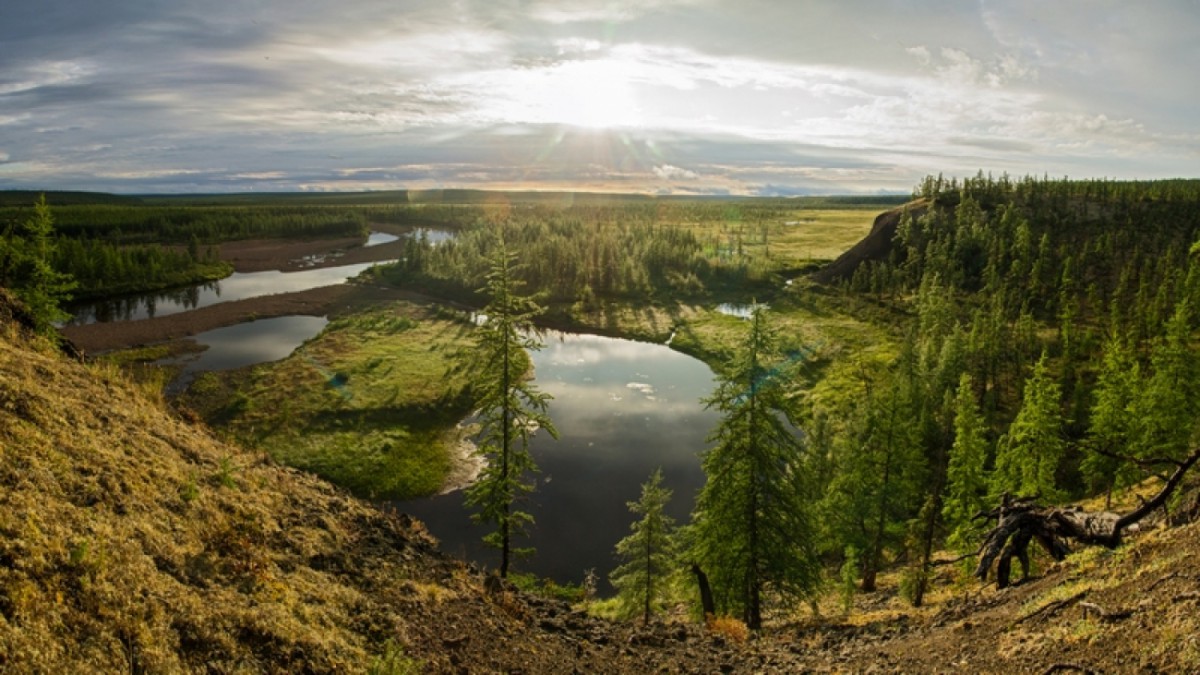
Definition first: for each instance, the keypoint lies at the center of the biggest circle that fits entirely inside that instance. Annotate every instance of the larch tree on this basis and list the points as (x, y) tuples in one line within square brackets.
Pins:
[(1111, 424), (1166, 410), (511, 408), (1028, 456), (648, 552), (26, 266), (752, 530), (966, 481)]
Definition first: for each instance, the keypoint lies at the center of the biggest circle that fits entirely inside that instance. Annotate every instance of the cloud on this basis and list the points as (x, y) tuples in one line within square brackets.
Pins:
[(192, 95), (668, 172)]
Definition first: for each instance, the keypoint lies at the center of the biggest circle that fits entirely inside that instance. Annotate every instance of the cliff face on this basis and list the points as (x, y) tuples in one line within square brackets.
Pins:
[(875, 246)]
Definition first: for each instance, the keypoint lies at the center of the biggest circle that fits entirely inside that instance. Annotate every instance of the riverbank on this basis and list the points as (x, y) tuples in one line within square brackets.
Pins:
[(331, 301), (372, 403)]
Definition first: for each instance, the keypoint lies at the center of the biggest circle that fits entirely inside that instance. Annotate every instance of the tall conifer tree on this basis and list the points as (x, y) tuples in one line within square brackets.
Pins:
[(511, 408), (966, 482), (752, 526), (1028, 456)]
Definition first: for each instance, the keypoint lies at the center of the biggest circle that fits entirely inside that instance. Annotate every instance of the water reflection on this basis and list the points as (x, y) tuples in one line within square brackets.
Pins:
[(742, 311), (238, 286), (377, 238), (246, 344), (622, 409)]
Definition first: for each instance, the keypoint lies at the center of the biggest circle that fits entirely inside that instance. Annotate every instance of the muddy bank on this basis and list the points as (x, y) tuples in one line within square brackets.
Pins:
[(324, 301), (260, 255)]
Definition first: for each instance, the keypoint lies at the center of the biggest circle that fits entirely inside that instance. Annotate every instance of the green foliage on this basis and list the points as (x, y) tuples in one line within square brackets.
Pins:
[(881, 468), (510, 407), (1167, 411), (966, 480), (648, 553), (393, 661), (103, 269), (27, 267), (1028, 456), (752, 529), (1112, 422)]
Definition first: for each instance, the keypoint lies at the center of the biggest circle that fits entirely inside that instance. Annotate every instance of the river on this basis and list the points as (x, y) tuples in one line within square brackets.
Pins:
[(237, 286)]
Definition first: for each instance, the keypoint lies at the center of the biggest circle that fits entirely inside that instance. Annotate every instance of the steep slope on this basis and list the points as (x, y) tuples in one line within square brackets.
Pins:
[(131, 541), (875, 246)]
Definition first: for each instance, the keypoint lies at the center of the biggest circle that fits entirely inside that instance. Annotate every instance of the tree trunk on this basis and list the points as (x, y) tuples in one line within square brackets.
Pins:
[(706, 596)]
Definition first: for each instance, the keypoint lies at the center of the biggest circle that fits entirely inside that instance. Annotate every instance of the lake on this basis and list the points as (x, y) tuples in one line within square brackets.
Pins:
[(622, 409)]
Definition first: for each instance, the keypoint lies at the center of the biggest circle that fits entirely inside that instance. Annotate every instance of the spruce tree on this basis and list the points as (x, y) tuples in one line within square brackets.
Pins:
[(510, 408), (1166, 411), (647, 552), (752, 525), (27, 267)]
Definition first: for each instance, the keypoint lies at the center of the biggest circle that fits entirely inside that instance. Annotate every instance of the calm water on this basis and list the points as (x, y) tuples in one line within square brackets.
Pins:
[(622, 409), (238, 286), (246, 344), (742, 311)]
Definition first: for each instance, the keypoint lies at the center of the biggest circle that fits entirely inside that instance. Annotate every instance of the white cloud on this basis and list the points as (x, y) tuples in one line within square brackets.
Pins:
[(669, 172)]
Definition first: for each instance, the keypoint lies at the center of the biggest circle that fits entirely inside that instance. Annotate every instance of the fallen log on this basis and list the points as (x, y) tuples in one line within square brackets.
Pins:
[(1020, 521)]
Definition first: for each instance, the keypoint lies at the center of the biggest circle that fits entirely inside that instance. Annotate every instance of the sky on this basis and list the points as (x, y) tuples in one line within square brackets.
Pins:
[(747, 97)]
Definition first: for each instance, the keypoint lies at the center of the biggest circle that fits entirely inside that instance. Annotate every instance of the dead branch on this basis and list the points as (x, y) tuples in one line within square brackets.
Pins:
[(1021, 521)]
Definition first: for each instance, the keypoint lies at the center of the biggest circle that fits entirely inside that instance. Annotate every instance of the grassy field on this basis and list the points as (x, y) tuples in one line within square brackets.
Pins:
[(370, 403), (792, 238)]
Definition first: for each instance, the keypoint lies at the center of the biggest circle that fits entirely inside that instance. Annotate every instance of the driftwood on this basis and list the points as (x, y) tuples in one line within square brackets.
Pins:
[(1021, 521)]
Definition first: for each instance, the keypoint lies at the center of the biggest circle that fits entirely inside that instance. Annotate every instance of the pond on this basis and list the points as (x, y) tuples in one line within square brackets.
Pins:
[(244, 344), (742, 311), (622, 409)]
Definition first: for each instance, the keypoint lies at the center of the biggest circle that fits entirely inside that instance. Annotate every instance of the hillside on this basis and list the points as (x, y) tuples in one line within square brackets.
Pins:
[(132, 541)]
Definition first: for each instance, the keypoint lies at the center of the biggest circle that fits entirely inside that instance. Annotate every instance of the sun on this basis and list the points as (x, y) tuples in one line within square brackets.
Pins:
[(596, 94)]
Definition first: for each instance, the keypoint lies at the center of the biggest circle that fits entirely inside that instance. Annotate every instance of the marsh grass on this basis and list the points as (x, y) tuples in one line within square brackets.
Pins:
[(371, 403)]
